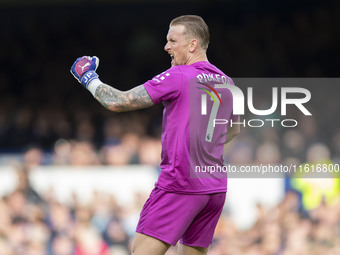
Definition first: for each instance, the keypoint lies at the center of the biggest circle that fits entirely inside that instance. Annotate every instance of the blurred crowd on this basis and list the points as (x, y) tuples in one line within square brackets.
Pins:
[(46, 118), (282, 230), (33, 223), (37, 224)]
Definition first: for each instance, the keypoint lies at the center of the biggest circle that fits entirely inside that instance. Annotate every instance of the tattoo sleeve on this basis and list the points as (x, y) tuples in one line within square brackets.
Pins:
[(122, 101)]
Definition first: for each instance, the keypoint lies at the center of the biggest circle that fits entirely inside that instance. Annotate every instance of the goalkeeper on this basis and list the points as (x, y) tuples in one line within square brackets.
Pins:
[(180, 208)]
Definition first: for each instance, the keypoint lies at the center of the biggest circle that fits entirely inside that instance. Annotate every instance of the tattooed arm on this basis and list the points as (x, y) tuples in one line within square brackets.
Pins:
[(122, 101)]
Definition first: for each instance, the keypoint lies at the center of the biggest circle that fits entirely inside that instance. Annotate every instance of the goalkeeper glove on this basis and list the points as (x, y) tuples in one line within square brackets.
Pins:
[(84, 70)]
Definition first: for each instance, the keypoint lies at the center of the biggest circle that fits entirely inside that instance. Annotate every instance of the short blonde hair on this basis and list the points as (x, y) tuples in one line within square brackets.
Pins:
[(195, 27)]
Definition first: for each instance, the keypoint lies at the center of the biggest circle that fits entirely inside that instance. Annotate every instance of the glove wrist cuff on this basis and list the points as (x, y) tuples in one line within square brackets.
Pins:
[(88, 77)]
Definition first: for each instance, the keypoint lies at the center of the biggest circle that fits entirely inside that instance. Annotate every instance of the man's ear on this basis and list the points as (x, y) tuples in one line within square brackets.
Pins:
[(193, 45)]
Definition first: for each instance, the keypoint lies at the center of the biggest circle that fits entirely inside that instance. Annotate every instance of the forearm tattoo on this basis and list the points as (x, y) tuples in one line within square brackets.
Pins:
[(119, 101)]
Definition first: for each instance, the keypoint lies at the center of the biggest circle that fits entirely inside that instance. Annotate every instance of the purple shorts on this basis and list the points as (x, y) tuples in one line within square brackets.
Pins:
[(190, 219)]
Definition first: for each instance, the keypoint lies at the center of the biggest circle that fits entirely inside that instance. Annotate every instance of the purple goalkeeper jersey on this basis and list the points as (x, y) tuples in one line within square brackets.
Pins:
[(189, 140)]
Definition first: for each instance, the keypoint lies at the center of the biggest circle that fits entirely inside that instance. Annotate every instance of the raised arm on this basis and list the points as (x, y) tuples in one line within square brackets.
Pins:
[(122, 101), (84, 70)]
